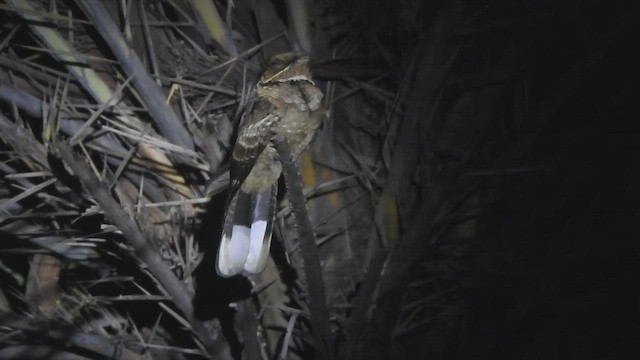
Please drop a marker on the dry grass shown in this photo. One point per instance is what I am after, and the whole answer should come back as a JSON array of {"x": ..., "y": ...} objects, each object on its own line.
[{"x": 116, "y": 119}]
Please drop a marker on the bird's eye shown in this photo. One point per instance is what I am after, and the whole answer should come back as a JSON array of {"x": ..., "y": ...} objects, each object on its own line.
[{"x": 279, "y": 66}]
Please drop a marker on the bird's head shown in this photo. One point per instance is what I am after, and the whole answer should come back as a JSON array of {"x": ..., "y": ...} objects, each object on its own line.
[{"x": 286, "y": 68}]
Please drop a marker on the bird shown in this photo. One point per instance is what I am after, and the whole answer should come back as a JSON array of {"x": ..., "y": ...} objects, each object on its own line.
[{"x": 285, "y": 103}]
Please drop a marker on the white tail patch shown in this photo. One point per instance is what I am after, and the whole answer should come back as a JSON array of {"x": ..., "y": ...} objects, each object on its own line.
[
  {"x": 233, "y": 251},
  {"x": 258, "y": 249},
  {"x": 245, "y": 251}
]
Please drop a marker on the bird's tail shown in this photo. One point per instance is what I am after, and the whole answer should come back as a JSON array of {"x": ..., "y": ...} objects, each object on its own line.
[{"x": 246, "y": 235}]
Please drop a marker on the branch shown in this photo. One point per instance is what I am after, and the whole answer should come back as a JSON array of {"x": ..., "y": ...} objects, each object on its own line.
[
  {"x": 209, "y": 335},
  {"x": 315, "y": 285},
  {"x": 168, "y": 123},
  {"x": 60, "y": 339},
  {"x": 23, "y": 142}
]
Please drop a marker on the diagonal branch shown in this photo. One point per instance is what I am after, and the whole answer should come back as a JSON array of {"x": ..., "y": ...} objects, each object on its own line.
[
  {"x": 315, "y": 284},
  {"x": 168, "y": 123},
  {"x": 210, "y": 336}
]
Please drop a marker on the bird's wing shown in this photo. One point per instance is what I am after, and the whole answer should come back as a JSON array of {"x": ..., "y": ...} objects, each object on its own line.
[{"x": 254, "y": 134}]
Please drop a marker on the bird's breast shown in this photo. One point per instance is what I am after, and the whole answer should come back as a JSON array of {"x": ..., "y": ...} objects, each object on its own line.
[{"x": 298, "y": 127}]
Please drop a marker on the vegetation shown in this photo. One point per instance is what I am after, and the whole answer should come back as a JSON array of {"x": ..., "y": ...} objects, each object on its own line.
[{"x": 441, "y": 193}]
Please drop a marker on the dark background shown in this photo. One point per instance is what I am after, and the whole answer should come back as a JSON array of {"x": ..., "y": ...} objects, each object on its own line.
[{"x": 493, "y": 207}]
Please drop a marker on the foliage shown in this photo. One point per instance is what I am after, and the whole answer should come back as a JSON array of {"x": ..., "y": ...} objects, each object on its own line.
[{"x": 116, "y": 119}]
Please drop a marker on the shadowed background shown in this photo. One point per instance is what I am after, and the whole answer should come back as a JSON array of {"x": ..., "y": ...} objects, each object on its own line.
[{"x": 472, "y": 193}]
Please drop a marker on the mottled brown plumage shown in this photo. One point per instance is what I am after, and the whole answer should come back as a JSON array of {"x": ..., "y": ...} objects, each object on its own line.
[{"x": 284, "y": 102}]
